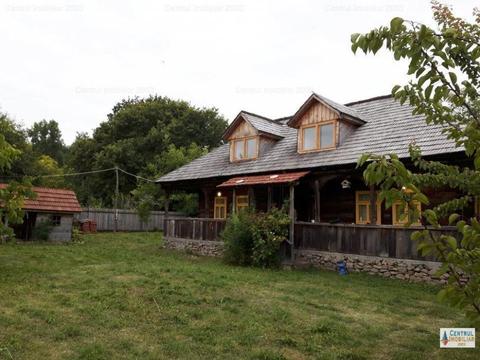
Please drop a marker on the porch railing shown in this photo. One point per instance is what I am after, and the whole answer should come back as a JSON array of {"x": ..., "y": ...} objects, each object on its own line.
[
  {"x": 372, "y": 240},
  {"x": 194, "y": 228}
]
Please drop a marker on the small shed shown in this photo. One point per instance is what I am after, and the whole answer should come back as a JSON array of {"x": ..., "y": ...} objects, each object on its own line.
[{"x": 56, "y": 206}]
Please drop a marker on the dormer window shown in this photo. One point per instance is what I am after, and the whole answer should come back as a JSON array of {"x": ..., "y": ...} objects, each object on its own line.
[
  {"x": 323, "y": 124},
  {"x": 250, "y": 136},
  {"x": 245, "y": 148},
  {"x": 317, "y": 137}
]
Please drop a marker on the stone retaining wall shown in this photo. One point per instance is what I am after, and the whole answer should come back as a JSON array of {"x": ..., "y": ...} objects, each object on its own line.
[
  {"x": 404, "y": 269},
  {"x": 199, "y": 247}
]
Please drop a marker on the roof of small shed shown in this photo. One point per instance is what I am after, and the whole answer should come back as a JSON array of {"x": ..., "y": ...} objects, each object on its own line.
[{"x": 51, "y": 200}]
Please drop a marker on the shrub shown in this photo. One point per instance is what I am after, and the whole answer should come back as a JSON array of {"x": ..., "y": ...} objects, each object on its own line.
[
  {"x": 270, "y": 230},
  {"x": 238, "y": 238},
  {"x": 76, "y": 235},
  {"x": 255, "y": 239}
]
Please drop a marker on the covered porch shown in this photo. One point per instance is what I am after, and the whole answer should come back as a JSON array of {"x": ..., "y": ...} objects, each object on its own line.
[{"x": 329, "y": 211}]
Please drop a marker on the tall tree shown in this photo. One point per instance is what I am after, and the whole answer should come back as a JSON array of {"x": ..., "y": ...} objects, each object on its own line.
[
  {"x": 13, "y": 195},
  {"x": 444, "y": 87},
  {"x": 16, "y": 136},
  {"x": 7, "y": 153},
  {"x": 137, "y": 133},
  {"x": 149, "y": 196},
  {"x": 46, "y": 139}
]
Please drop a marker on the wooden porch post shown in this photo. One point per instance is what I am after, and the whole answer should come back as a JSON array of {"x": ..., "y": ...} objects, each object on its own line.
[
  {"x": 165, "y": 218},
  {"x": 292, "y": 220},
  {"x": 373, "y": 205},
  {"x": 206, "y": 205},
  {"x": 234, "y": 201},
  {"x": 269, "y": 198},
  {"x": 251, "y": 197},
  {"x": 317, "y": 200}
]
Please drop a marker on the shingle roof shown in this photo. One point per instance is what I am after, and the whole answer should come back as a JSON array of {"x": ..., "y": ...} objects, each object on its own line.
[
  {"x": 264, "y": 125},
  {"x": 260, "y": 123},
  {"x": 52, "y": 200},
  {"x": 281, "y": 178},
  {"x": 390, "y": 127},
  {"x": 342, "y": 110}
]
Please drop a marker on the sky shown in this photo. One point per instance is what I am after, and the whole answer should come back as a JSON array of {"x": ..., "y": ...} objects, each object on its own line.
[{"x": 73, "y": 60}]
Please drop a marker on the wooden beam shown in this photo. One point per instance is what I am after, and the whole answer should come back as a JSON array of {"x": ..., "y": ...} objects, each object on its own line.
[
  {"x": 292, "y": 220},
  {"x": 373, "y": 205},
  {"x": 165, "y": 219},
  {"x": 317, "y": 200},
  {"x": 251, "y": 197},
  {"x": 206, "y": 205},
  {"x": 269, "y": 197}
]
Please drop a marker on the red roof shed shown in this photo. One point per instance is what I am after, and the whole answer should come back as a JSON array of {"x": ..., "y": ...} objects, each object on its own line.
[{"x": 52, "y": 200}]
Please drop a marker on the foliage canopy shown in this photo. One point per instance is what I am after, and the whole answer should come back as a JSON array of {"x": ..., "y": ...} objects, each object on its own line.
[{"x": 445, "y": 73}]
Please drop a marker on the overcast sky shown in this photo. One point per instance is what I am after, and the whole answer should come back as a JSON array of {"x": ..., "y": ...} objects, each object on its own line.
[{"x": 73, "y": 60}]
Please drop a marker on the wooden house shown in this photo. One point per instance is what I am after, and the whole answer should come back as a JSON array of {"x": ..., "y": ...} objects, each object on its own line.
[
  {"x": 55, "y": 206},
  {"x": 310, "y": 158}
]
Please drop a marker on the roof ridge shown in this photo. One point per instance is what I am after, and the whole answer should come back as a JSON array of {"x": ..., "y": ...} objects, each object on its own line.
[
  {"x": 54, "y": 189},
  {"x": 260, "y": 116},
  {"x": 341, "y": 109},
  {"x": 368, "y": 100},
  {"x": 43, "y": 187},
  {"x": 282, "y": 118}
]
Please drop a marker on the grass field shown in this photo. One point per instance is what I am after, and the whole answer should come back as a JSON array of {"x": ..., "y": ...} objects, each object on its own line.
[{"x": 123, "y": 297}]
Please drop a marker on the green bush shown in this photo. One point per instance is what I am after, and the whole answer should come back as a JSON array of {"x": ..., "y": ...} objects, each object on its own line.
[
  {"x": 255, "y": 239},
  {"x": 76, "y": 235},
  {"x": 42, "y": 230},
  {"x": 270, "y": 230},
  {"x": 238, "y": 238}
]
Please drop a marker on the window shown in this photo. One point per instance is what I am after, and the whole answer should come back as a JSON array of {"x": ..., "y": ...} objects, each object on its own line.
[
  {"x": 56, "y": 220},
  {"x": 326, "y": 136},
  {"x": 400, "y": 213},
  {"x": 309, "y": 138},
  {"x": 317, "y": 137},
  {"x": 239, "y": 149},
  {"x": 362, "y": 208},
  {"x": 251, "y": 148},
  {"x": 241, "y": 202},
  {"x": 244, "y": 148},
  {"x": 220, "y": 208}
]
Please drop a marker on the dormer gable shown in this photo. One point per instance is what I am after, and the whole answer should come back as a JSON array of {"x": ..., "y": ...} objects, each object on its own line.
[
  {"x": 323, "y": 124},
  {"x": 249, "y": 135}
]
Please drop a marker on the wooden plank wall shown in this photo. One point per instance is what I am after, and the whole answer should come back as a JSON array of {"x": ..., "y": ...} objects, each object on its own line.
[
  {"x": 385, "y": 241},
  {"x": 317, "y": 113},
  {"x": 195, "y": 228},
  {"x": 128, "y": 220},
  {"x": 243, "y": 129}
]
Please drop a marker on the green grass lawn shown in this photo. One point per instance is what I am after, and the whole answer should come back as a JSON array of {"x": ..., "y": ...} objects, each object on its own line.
[{"x": 122, "y": 296}]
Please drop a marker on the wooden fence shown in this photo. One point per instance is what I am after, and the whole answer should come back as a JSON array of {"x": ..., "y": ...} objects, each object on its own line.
[
  {"x": 194, "y": 228},
  {"x": 373, "y": 240},
  {"x": 128, "y": 220}
]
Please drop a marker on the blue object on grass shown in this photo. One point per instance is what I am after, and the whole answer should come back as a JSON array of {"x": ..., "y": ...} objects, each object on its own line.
[{"x": 342, "y": 268}]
